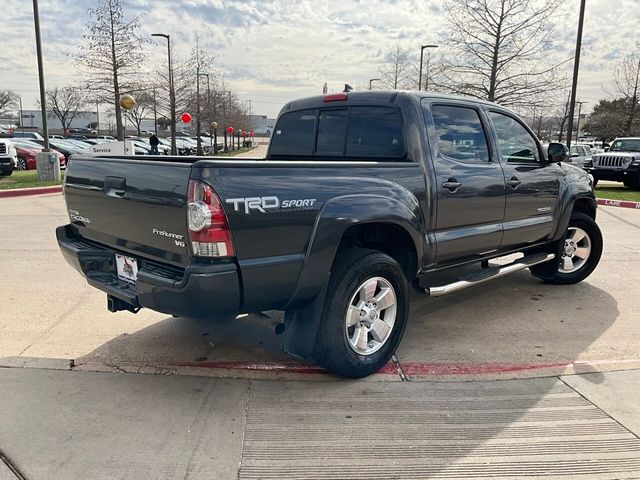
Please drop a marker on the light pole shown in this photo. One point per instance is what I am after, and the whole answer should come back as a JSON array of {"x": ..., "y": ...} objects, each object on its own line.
[
  {"x": 43, "y": 99},
  {"x": 428, "y": 58},
  {"x": 579, "y": 112},
  {"x": 21, "y": 116},
  {"x": 576, "y": 66},
  {"x": 371, "y": 80},
  {"x": 208, "y": 105},
  {"x": 172, "y": 93}
]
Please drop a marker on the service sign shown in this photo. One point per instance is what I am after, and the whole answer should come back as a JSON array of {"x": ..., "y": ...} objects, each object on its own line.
[{"x": 115, "y": 147}]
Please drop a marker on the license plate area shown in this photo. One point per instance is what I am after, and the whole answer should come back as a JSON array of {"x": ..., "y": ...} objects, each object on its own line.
[{"x": 127, "y": 268}]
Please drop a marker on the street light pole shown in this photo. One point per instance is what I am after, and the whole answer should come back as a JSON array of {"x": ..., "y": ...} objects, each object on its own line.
[
  {"x": 371, "y": 80},
  {"x": 43, "y": 99},
  {"x": 172, "y": 93},
  {"x": 576, "y": 66},
  {"x": 579, "y": 113},
  {"x": 208, "y": 105},
  {"x": 21, "y": 116},
  {"x": 421, "y": 57}
]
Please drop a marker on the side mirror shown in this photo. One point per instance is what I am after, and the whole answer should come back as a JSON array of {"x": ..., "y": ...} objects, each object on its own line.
[
  {"x": 557, "y": 152},
  {"x": 606, "y": 149}
]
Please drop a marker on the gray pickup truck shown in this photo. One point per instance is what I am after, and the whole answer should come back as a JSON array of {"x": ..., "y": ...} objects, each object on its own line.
[
  {"x": 360, "y": 197},
  {"x": 621, "y": 163}
]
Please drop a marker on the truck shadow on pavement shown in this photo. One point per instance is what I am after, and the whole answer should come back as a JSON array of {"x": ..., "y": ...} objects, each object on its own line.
[{"x": 516, "y": 322}]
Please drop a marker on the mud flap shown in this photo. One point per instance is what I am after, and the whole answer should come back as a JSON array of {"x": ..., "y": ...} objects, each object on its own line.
[{"x": 301, "y": 327}]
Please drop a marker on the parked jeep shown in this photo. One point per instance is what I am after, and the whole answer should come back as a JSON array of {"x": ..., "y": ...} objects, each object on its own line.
[{"x": 620, "y": 164}]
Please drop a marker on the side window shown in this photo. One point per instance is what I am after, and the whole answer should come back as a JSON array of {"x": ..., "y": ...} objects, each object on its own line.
[
  {"x": 375, "y": 132},
  {"x": 294, "y": 133},
  {"x": 515, "y": 142},
  {"x": 460, "y": 133},
  {"x": 331, "y": 131}
]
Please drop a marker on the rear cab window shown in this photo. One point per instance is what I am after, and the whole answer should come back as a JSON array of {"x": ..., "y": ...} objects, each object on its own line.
[{"x": 352, "y": 133}]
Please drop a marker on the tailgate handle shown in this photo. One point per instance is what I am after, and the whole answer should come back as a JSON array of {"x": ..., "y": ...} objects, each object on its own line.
[{"x": 115, "y": 186}]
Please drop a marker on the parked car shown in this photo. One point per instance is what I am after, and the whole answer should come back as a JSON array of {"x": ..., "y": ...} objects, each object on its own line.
[
  {"x": 106, "y": 137},
  {"x": 8, "y": 157},
  {"x": 360, "y": 196},
  {"x": 26, "y": 151},
  {"x": 581, "y": 155},
  {"x": 29, "y": 135},
  {"x": 621, "y": 163},
  {"x": 83, "y": 131}
]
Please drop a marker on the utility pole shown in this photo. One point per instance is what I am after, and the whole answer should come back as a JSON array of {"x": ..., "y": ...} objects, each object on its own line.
[
  {"x": 576, "y": 66},
  {"x": 97, "y": 117},
  {"x": 21, "y": 117},
  {"x": 155, "y": 112}
]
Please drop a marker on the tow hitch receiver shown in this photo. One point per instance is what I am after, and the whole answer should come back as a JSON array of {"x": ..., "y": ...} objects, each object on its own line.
[{"x": 116, "y": 305}]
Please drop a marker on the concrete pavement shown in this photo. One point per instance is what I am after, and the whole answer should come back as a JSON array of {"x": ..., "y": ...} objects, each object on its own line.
[
  {"x": 80, "y": 425},
  {"x": 508, "y": 328}
]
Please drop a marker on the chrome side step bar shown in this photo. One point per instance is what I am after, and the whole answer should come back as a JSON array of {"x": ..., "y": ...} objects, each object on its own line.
[{"x": 489, "y": 274}]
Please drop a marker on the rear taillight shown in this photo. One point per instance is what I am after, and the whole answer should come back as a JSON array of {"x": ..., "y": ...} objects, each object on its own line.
[{"x": 208, "y": 227}]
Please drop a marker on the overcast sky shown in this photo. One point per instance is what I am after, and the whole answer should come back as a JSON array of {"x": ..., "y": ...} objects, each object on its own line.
[{"x": 274, "y": 50}]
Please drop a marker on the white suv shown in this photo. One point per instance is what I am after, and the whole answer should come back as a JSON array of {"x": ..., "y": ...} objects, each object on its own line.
[{"x": 8, "y": 157}]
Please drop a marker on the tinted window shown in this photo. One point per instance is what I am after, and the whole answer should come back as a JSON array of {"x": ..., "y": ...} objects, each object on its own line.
[
  {"x": 460, "y": 133},
  {"x": 625, "y": 146},
  {"x": 375, "y": 132},
  {"x": 331, "y": 132},
  {"x": 516, "y": 144},
  {"x": 294, "y": 134}
]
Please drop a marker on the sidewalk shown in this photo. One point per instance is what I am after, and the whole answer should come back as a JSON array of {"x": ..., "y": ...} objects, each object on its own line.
[{"x": 79, "y": 425}]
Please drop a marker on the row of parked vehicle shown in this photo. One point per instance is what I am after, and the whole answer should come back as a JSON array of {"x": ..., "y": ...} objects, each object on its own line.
[{"x": 19, "y": 151}]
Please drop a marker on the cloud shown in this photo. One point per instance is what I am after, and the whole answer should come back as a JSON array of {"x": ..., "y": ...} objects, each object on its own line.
[{"x": 274, "y": 50}]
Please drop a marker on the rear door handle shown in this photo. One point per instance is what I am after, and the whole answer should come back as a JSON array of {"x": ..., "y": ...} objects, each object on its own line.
[
  {"x": 514, "y": 182},
  {"x": 452, "y": 184}
]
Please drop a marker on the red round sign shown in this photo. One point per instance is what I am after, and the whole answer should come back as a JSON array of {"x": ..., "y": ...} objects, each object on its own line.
[
  {"x": 229, "y": 129},
  {"x": 185, "y": 117},
  {"x": 251, "y": 134},
  {"x": 244, "y": 134}
]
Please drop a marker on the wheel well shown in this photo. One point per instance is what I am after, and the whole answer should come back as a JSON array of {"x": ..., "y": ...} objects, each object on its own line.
[
  {"x": 389, "y": 238},
  {"x": 585, "y": 206}
]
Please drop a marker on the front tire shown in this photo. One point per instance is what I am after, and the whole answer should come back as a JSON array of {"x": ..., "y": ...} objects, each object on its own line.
[
  {"x": 22, "y": 164},
  {"x": 364, "y": 314},
  {"x": 578, "y": 253}
]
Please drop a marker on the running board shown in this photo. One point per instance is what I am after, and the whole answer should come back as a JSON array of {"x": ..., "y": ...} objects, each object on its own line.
[{"x": 489, "y": 274}]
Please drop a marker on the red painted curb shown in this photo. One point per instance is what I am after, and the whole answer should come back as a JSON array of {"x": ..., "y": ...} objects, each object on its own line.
[
  {"x": 273, "y": 367},
  {"x": 618, "y": 203},
  {"x": 23, "y": 192},
  {"x": 437, "y": 369}
]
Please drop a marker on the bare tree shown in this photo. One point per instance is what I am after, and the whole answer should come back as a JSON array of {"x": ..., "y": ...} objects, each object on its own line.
[
  {"x": 112, "y": 53},
  {"x": 497, "y": 49},
  {"x": 396, "y": 74},
  {"x": 8, "y": 101},
  {"x": 627, "y": 84},
  {"x": 65, "y": 104}
]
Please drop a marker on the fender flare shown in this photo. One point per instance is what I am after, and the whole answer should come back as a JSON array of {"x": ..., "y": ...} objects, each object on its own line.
[{"x": 336, "y": 216}]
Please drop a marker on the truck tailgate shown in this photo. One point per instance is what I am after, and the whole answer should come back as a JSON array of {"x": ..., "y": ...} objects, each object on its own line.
[{"x": 135, "y": 206}]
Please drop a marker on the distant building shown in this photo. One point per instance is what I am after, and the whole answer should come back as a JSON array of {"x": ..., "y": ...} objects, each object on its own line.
[
  {"x": 261, "y": 124},
  {"x": 32, "y": 119}
]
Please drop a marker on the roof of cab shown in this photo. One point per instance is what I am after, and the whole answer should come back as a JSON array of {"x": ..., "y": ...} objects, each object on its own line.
[{"x": 376, "y": 97}]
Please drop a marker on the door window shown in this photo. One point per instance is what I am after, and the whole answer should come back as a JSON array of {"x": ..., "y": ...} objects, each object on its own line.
[
  {"x": 516, "y": 144},
  {"x": 460, "y": 133}
]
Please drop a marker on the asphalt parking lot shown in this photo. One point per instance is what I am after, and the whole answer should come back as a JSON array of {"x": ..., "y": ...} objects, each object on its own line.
[{"x": 481, "y": 386}]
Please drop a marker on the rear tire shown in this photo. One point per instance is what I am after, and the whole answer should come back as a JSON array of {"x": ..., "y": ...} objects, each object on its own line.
[
  {"x": 577, "y": 254},
  {"x": 22, "y": 164},
  {"x": 364, "y": 314}
]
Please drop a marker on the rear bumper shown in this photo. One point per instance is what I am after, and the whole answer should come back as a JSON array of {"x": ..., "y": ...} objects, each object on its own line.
[{"x": 210, "y": 291}]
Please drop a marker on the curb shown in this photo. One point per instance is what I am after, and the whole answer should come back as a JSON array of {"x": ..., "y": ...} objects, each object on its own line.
[
  {"x": 23, "y": 192},
  {"x": 618, "y": 203}
]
